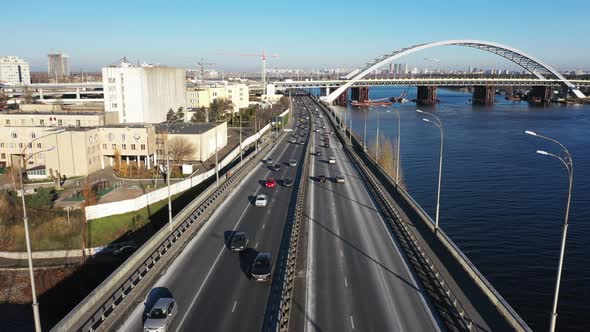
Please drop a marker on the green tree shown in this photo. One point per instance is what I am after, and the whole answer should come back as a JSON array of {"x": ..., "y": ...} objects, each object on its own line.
[
  {"x": 219, "y": 108},
  {"x": 170, "y": 116},
  {"x": 200, "y": 115}
]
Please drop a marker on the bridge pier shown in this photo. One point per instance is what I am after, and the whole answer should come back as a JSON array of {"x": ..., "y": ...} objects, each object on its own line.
[
  {"x": 426, "y": 95},
  {"x": 540, "y": 95},
  {"x": 360, "y": 94},
  {"x": 342, "y": 100},
  {"x": 483, "y": 95}
]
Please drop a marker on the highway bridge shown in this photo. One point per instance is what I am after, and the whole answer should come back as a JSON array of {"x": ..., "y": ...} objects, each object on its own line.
[{"x": 359, "y": 255}]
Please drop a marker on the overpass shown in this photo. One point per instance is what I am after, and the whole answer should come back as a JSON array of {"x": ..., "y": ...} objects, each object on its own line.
[
  {"x": 92, "y": 91},
  {"x": 355, "y": 255}
]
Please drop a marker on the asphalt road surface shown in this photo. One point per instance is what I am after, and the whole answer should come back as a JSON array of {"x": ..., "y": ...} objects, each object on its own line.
[
  {"x": 356, "y": 277},
  {"x": 209, "y": 282}
]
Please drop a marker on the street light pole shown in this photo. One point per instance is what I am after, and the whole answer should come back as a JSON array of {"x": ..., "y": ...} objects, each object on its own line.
[
  {"x": 568, "y": 162},
  {"x": 216, "y": 160},
  {"x": 399, "y": 134},
  {"x": 365, "y": 135},
  {"x": 21, "y": 165},
  {"x": 168, "y": 124},
  {"x": 377, "y": 143},
  {"x": 241, "y": 157},
  {"x": 439, "y": 124}
]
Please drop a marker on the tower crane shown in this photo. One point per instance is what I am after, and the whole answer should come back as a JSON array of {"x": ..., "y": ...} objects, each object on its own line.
[
  {"x": 202, "y": 65},
  {"x": 263, "y": 57}
]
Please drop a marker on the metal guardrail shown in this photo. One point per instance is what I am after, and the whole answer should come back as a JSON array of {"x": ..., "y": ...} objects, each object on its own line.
[
  {"x": 491, "y": 293},
  {"x": 101, "y": 303}
]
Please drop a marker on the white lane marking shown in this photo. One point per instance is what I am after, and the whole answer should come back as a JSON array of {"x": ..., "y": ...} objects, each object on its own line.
[
  {"x": 256, "y": 245},
  {"x": 222, "y": 248},
  {"x": 234, "y": 308},
  {"x": 263, "y": 225},
  {"x": 341, "y": 253},
  {"x": 351, "y": 322},
  {"x": 345, "y": 282}
]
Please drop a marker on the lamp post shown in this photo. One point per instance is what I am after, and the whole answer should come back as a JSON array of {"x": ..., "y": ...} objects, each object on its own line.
[
  {"x": 21, "y": 165},
  {"x": 241, "y": 153},
  {"x": 216, "y": 158},
  {"x": 568, "y": 162},
  {"x": 365, "y": 135},
  {"x": 168, "y": 124},
  {"x": 399, "y": 131},
  {"x": 439, "y": 124}
]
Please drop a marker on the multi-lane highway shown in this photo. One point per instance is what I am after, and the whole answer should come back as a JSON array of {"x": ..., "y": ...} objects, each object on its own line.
[
  {"x": 210, "y": 283},
  {"x": 355, "y": 275}
]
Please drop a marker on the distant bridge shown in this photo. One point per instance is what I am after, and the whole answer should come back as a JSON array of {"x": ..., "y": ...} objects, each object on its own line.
[
  {"x": 524, "y": 60},
  {"x": 439, "y": 82}
]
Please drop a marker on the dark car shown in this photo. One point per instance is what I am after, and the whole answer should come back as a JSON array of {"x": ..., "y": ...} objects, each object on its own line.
[
  {"x": 261, "y": 267},
  {"x": 321, "y": 178},
  {"x": 276, "y": 167},
  {"x": 238, "y": 241},
  {"x": 318, "y": 153},
  {"x": 288, "y": 182}
]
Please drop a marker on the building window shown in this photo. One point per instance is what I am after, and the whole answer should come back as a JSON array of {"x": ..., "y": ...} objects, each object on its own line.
[
  {"x": 89, "y": 161},
  {"x": 60, "y": 122},
  {"x": 3, "y": 155},
  {"x": 8, "y": 122},
  {"x": 132, "y": 146},
  {"x": 104, "y": 146},
  {"x": 33, "y": 135},
  {"x": 114, "y": 146},
  {"x": 124, "y": 146},
  {"x": 39, "y": 145},
  {"x": 114, "y": 105},
  {"x": 30, "y": 145},
  {"x": 13, "y": 135},
  {"x": 123, "y": 137},
  {"x": 20, "y": 145},
  {"x": 111, "y": 80},
  {"x": 77, "y": 123},
  {"x": 42, "y": 122},
  {"x": 143, "y": 146},
  {"x": 1, "y": 145}
]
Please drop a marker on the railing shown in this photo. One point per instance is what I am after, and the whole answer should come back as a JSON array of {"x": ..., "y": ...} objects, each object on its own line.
[
  {"x": 99, "y": 309},
  {"x": 510, "y": 315}
]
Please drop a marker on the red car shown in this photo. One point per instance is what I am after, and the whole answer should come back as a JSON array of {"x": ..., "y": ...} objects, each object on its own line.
[{"x": 271, "y": 183}]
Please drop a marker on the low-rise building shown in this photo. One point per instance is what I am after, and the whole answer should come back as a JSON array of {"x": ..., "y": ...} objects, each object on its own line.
[
  {"x": 203, "y": 95},
  {"x": 79, "y": 151},
  {"x": 201, "y": 135}
]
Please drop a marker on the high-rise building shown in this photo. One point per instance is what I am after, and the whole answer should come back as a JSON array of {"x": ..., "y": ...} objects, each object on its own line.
[
  {"x": 14, "y": 71},
  {"x": 58, "y": 65},
  {"x": 143, "y": 93}
]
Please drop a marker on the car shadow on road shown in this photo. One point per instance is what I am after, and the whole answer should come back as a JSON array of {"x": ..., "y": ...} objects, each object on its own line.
[
  {"x": 364, "y": 254},
  {"x": 153, "y": 296},
  {"x": 247, "y": 257}
]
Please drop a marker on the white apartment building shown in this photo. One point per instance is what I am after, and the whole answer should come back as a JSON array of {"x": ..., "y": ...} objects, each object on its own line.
[
  {"x": 143, "y": 94},
  {"x": 203, "y": 96},
  {"x": 14, "y": 71},
  {"x": 58, "y": 65}
]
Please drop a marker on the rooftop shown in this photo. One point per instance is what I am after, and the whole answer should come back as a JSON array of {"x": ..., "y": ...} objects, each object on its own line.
[{"x": 186, "y": 127}]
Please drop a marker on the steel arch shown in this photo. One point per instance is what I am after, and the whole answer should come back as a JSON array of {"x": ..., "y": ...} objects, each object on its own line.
[{"x": 528, "y": 62}]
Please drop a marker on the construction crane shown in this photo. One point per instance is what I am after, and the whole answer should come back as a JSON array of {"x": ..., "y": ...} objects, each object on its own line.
[
  {"x": 263, "y": 57},
  {"x": 201, "y": 64}
]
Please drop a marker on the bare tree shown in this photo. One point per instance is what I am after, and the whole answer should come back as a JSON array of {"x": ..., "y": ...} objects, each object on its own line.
[
  {"x": 3, "y": 100},
  {"x": 180, "y": 148},
  {"x": 387, "y": 158}
]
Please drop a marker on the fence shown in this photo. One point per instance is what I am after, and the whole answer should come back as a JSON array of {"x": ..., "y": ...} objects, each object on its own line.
[{"x": 134, "y": 204}]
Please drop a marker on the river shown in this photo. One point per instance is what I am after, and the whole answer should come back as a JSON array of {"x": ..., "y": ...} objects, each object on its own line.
[{"x": 502, "y": 203}]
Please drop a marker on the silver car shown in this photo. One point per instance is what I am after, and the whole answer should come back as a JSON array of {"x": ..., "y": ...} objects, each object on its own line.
[
  {"x": 261, "y": 200},
  {"x": 160, "y": 316},
  {"x": 293, "y": 163}
]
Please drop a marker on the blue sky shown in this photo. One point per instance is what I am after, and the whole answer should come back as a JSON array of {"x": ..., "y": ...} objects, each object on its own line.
[{"x": 305, "y": 34}]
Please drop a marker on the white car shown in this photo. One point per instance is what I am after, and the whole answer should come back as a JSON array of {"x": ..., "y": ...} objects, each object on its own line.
[
  {"x": 332, "y": 160},
  {"x": 269, "y": 160},
  {"x": 160, "y": 315},
  {"x": 260, "y": 200}
]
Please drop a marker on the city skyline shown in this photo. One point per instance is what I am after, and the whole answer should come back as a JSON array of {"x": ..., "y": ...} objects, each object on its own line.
[{"x": 109, "y": 31}]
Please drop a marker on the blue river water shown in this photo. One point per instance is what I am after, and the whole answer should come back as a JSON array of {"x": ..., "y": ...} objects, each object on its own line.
[{"x": 502, "y": 203}]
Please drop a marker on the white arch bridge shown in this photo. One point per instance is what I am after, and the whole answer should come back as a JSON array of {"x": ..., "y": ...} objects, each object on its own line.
[{"x": 542, "y": 71}]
